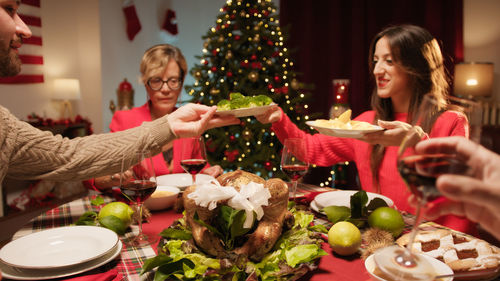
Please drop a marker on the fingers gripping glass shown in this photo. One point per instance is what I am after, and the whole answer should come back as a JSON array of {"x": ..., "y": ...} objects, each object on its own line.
[{"x": 157, "y": 83}]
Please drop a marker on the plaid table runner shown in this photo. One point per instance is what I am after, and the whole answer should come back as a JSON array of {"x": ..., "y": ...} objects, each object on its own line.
[{"x": 130, "y": 260}]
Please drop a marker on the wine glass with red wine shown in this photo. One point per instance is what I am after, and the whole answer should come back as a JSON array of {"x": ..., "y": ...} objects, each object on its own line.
[
  {"x": 293, "y": 161},
  {"x": 420, "y": 171},
  {"x": 137, "y": 183},
  {"x": 193, "y": 157}
]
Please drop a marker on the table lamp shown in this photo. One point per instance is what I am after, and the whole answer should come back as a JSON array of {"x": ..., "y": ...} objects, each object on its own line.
[
  {"x": 473, "y": 80},
  {"x": 66, "y": 90}
]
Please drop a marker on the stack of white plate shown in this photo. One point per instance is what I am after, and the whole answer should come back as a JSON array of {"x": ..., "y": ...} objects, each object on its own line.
[
  {"x": 58, "y": 252},
  {"x": 341, "y": 198}
]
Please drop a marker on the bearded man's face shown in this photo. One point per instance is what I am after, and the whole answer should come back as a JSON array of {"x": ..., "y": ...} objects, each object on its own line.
[{"x": 10, "y": 64}]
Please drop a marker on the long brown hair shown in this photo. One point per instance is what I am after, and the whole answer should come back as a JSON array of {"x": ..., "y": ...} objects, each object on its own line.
[{"x": 418, "y": 53}]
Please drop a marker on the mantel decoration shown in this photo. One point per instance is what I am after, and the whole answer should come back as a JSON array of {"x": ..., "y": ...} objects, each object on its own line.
[
  {"x": 38, "y": 121},
  {"x": 125, "y": 97}
]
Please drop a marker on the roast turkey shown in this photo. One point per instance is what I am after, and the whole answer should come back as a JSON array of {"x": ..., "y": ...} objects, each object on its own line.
[{"x": 269, "y": 228}]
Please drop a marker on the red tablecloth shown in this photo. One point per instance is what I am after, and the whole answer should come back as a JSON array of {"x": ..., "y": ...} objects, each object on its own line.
[{"x": 331, "y": 267}]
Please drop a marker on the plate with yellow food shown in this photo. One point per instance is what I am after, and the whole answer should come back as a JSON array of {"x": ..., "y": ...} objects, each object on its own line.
[{"x": 343, "y": 126}]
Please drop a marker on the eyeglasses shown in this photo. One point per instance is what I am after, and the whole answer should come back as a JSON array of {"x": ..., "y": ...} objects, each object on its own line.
[{"x": 156, "y": 83}]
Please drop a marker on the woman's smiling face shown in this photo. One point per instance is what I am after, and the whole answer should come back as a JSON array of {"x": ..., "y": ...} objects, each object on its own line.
[{"x": 392, "y": 81}]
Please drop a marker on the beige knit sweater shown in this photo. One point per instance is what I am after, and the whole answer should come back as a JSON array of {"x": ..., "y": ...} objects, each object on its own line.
[{"x": 29, "y": 153}]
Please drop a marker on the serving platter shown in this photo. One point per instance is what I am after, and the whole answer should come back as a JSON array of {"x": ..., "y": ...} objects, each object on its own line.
[
  {"x": 343, "y": 133},
  {"x": 59, "y": 247},
  {"x": 244, "y": 112},
  {"x": 42, "y": 274}
]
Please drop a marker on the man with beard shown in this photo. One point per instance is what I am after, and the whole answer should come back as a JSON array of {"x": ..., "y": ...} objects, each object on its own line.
[{"x": 29, "y": 153}]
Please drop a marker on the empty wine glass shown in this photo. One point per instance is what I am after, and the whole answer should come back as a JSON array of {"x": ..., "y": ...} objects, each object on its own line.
[
  {"x": 193, "y": 156},
  {"x": 293, "y": 161},
  {"x": 137, "y": 183},
  {"x": 420, "y": 173}
]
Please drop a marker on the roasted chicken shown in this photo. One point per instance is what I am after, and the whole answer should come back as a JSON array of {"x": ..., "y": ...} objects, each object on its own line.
[{"x": 260, "y": 241}]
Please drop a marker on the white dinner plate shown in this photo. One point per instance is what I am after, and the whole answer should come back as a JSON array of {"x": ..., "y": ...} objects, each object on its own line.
[
  {"x": 244, "y": 112},
  {"x": 343, "y": 133},
  {"x": 42, "y": 274},
  {"x": 440, "y": 267},
  {"x": 182, "y": 180},
  {"x": 59, "y": 247},
  {"x": 342, "y": 198}
]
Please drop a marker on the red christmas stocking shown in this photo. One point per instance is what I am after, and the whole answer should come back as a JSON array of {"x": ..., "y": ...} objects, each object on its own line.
[
  {"x": 169, "y": 24},
  {"x": 131, "y": 19}
]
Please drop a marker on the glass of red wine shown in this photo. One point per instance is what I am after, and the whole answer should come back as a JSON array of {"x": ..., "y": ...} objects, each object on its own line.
[
  {"x": 420, "y": 171},
  {"x": 193, "y": 156},
  {"x": 294, "y": 162},
  {"x": 137, "y": 183}
]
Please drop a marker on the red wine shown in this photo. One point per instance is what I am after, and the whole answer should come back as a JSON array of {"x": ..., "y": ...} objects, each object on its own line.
[
  {"x": 294, "y": 172},
  {"x": 420, "y": 172},
  {"x": 138, "y": 190},
  {"x": 193, "y": 166}
]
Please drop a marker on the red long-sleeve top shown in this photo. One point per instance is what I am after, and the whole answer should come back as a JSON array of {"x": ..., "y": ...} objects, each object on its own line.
[{"x": 325, "y": 150}]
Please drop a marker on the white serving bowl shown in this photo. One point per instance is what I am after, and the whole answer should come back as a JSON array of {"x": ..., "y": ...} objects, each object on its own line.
[
  {"x": 163, "y": 198},
  {"x": 440, "y": 267}
]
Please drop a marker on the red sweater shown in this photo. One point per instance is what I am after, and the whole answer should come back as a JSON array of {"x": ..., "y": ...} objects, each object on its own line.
[
  {"x": 325, "y": 150},
  {"x": 126, "y": 119}
]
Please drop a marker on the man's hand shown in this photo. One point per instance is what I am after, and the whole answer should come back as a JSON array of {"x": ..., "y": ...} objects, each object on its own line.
[{"x": 193, "y": 119}]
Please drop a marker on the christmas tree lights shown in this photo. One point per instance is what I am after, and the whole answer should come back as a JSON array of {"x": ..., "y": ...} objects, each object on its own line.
[{"x": 244, "y": 52}]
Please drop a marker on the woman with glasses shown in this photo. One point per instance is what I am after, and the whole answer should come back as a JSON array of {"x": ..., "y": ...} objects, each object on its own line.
[{"x": 163, "y": 69}]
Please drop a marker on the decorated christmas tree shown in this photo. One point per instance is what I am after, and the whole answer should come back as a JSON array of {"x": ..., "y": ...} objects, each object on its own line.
[{"x": 245, "y": 53}]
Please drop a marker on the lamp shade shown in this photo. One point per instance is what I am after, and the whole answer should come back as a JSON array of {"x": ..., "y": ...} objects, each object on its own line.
[
  {"x": 473, "y": 79},
  {"x": 66, "y": 89}
]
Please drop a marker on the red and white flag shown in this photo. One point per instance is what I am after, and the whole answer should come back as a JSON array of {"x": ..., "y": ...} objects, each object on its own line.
[{"x": 30, "y": 52}]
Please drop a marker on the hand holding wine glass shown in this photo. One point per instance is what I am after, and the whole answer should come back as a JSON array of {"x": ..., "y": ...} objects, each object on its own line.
[
  {"x": 137, "y": 183},
  {"x": 293, "y": 161},
  {"x": 419, "y": 171},
  {"x": 194, "y": 157}
]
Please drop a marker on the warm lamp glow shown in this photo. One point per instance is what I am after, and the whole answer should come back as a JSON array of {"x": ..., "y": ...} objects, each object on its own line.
[
  {"x": 66, "y": 90},
  {"x": 473, "y": 79}
]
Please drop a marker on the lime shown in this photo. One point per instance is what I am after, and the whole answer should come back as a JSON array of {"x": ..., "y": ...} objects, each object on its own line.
[
  {"x": 118, "y": 209},
  {"x": 387, "y": 219},
  {"x": 344, "y": 238}
]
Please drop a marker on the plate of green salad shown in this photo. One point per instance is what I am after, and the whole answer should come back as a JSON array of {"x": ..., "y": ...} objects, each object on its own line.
[{"x": 239, "y": 105}]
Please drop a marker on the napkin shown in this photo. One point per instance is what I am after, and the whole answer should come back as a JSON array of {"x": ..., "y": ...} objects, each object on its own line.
[
  {"x": 309, "y": 197},
  {"x": 111, "y": 275}
]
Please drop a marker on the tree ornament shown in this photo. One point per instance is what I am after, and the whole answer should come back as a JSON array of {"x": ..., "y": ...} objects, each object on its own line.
[
  {"x": 229, "y": 74},
  {"x": 269, "y": 62},
  {"x": 276, "y": 78},
  {"x": 214, "y": 91},
  {"x": 214, "y": 52},
  {"x": 253, "y": 76},
  {"x": 232, "y": 138},
  {"x": 214, "y": 69},
  {"x": 268, "y": 166},
  {"x": 284, "y": 90},
  {"x": 231, "y": 155},
  {"x": 256, "y": 37},
  {"x": 236, "y": 37},
  {"x": 253, "y": 57},
  {"x": 197, "y": 75},
  {"x": 221, "y": 39},
  {"x": 294, "y": 84},
  {"x": 270, "y": 43},
  {"x": 229, "y": 54}
]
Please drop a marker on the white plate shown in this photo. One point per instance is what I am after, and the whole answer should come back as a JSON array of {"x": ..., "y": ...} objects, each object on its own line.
[
  {"x": 59, "y": 247},
  {"x": 182, "y": 181},
  {"x": 249, "y": 111},
  {"x": 41, "y": 274},
  {"x": 440, "y": 267},
  {"x": 342, "y": 198},
  {"x": 343, "y": 133}
]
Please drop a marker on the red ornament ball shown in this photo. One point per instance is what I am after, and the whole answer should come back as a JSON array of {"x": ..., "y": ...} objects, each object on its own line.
[
  {"x": 214, "y": 52},
  {"x": 236, "y": 37},
  {"x": 268, "y": 165},
  {"x": 276, "y": 78},
  {"x": 229, "y": 74},
  {"x": 214, "y": 69},
  {"x": 232, "y": 138},
  {"x": 253, "y": 57}
]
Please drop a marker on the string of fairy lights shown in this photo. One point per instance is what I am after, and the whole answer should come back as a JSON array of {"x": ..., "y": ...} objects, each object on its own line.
[{"x": 245, "y": 50}]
